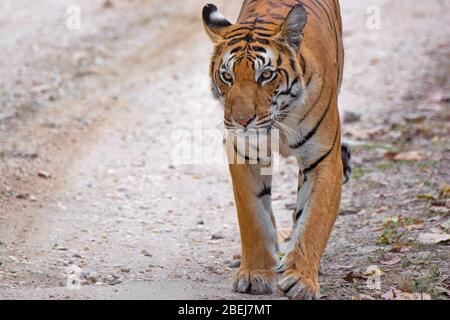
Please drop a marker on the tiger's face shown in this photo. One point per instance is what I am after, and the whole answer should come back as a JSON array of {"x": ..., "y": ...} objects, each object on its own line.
[{"x": 254, "y": 70}]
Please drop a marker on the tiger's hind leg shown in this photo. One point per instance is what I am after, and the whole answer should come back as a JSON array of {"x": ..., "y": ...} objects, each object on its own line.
[
  {"x": 318, "y": 206},
  {"x": 258, "y": 231}
]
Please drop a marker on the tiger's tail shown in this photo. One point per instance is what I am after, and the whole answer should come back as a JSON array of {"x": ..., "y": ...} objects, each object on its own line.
[{"x": 347, "y": 162}]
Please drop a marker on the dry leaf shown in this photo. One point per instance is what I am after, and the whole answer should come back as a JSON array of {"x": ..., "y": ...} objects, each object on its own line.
[
  {"x": 390, "y": 155},
  {"x": 395, "y": 294},
  {"x": 445, "y": 191},
  {"x": 352, "y": 277},
  {"x": 433, "y": 238},
  {"x": 412, "y": 227},
  {"x": 440, "y": 210},
  {"x": 415, "y": 118},
  {"x": 446, "y": 225},
  {"x": 401, "y": 248},
  {"x": 342, "y": 267},
  {"x": 284, "y": 235},
  {"x": 410, "y": 156},
  {"x": 361, "y": 134},
  {"x": 393, "y": 261},
  {"x": 405, "y": 285}
]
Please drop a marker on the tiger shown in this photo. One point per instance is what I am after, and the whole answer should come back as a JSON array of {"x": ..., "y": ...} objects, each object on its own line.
[{"x": 280, "y": 66}]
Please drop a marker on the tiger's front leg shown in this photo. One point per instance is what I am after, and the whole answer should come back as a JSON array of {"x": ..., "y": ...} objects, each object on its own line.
[
  {"x": 252, "y": 193},
  {"x": 317, "y": 208}
]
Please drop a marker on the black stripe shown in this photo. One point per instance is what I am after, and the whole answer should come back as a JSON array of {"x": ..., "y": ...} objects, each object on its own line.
[
  {"x": 305, "y": 180},
  {"x": 315, "y": 164},
  {"x": 327, "y": 14},
  {"x": 263, "y": 41},
  {"x": 289, "y": 90},
  {"x": 248, "y": 29},
  {"x": 235, "y": 41},
  {"x": 236, "y": 50},
  {"x": 262, "y": 59},
  {"x": 286, "y": 74},
  {"x": 307, "y": 6},
  {"x": 308, "y": 81},
  {"x": 244, "y": 156},
  {"x": 264, "y": 35},
  {"x": 261, "y": 28},
  {"x": 293, "y": 64},
  {"x": 298, "y": 214},
  {"x": 279, "y": 61},
  {"x": 314, "y": 130},
  {"x": 249, "y": 38},
  {"x": 241, "y": 34},
  {"x": 258, "y": 49},
  {"x": 257, "y": 20},
  {"x": 265, "y": 122},
  {"x": 267, "y": 191}
]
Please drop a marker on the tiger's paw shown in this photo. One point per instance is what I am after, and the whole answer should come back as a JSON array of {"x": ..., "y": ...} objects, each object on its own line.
[
  {"x": 298, "y": 287},
  {"x": 257, "y": 282},
  {"x": 298, "y": 284}
]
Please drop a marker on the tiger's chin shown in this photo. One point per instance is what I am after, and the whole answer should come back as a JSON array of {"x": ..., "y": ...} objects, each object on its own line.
[{"x": 251, "y": 145}]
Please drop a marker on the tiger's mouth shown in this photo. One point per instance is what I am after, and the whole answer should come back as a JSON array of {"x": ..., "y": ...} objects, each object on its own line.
[{"x": 259, "y": 125}]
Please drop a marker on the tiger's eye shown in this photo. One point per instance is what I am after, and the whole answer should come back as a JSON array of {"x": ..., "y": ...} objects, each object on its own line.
[
  {"x": 267, "y": 74},
  {"x": 227, "y": 76}
]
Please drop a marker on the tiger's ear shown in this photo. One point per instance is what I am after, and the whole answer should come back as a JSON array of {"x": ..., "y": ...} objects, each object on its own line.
[
  {"x": 216, "y": 24},
  {"x": 291, "y": 30}
]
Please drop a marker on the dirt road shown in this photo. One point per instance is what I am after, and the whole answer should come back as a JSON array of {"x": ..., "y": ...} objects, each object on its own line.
[{"x": 89, "y": 188}]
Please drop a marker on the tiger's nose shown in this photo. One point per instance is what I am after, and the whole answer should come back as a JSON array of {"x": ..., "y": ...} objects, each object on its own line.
[{"x": 245, "y": 120}]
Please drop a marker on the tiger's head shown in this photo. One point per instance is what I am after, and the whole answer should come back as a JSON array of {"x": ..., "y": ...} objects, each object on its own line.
[{"x": 255, "y": 70}]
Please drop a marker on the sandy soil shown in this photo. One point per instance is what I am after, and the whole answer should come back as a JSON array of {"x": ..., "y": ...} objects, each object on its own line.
[{"x": 88, "y": 184}]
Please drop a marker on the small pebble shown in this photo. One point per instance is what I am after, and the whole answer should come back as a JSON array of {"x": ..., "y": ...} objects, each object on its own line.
[
  {"x": 351, "y": 117},
  {"x": 235, "y": 264},
  {"x": 146, "y": 253},
  {"x": 217, "y": 237},
  {"x": 44, "y": 175},
  {"x": 115, "y": 282}
]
